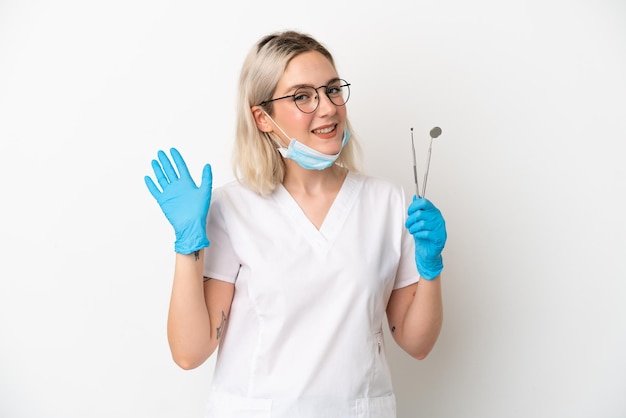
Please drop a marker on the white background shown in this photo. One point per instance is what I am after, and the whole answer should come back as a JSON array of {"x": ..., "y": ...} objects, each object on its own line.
[{"x": 529, "y": 173}]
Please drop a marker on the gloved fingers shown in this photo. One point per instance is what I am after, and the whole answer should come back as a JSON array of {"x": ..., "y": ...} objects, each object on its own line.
[
  {"x": 428, "y": 226},
  {"x": 427, "y": 235},
  {"x": 420, "y": 204},
  {"x": 159, "y": 174},
  {"x": 414, "y": 224},
  {"x": 167, "y": 167},
  {"x": 207, "y": 177},
  {"x": 154, "y": 190},
  {"x": 183, "y": 171},
  {"x": 428, "y": 217}
]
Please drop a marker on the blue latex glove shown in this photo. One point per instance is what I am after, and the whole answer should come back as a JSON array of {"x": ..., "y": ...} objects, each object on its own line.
[
  {"x": 185, "y": 205},
  {"x": 428, "y": 228}
]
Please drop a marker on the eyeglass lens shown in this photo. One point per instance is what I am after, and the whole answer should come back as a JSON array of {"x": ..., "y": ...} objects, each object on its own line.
[{"x": 307, "y": 99}]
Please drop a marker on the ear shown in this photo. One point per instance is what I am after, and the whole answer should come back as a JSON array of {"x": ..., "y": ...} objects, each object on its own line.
[{"x": 260, "y": 118}]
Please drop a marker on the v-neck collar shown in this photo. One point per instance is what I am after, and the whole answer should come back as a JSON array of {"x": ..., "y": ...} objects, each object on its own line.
[{"x": 337, "y": 214}]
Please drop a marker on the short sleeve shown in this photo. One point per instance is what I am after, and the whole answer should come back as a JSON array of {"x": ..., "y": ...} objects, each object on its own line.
[
  {"x": 220, "y": 260},
  {"x": 407, "y": 273}
]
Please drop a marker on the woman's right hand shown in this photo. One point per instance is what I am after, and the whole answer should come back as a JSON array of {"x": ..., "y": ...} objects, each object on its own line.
[{"x": 185, "y": 205}]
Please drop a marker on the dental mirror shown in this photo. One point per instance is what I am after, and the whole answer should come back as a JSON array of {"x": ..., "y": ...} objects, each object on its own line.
[{"x": 434, "y": 133}]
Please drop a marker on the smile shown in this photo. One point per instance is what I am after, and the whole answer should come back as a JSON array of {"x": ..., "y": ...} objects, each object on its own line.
[{"x": 325, "y": 130}]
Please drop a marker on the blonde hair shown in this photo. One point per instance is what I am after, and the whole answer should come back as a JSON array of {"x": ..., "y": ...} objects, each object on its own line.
[{"x": 257, "y": 163}]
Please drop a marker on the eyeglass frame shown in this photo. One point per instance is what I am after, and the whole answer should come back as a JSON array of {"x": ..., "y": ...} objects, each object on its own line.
[{"x": 341, "y": 80}]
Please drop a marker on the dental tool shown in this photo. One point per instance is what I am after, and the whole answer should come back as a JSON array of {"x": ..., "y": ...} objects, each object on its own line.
[
  {"x": 434, "y": 133},
  {"x": 417, "y": 189}
]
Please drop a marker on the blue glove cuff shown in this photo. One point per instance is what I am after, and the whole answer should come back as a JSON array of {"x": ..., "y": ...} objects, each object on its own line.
[
  {"x": 191, "y": 246},
  {"x": 429, "y": 269},
  {"x": 192, "y": 240}
]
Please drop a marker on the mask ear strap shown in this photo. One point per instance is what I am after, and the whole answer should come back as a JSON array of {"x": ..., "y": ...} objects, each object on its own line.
[
  {"x": 272, "y": 140},
  {"x": 278, "y": 126}
]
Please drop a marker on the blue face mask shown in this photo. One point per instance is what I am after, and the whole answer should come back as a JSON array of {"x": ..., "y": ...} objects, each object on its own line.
[
  {"x": 306, "y": 156},
  {"x": 309, "y": 158}
]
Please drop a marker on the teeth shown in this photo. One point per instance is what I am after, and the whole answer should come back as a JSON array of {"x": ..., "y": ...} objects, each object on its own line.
[{"x": 325, "y": 130}]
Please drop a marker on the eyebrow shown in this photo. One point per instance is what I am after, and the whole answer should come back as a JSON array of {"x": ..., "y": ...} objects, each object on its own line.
[{"x": 297, "y": 86}]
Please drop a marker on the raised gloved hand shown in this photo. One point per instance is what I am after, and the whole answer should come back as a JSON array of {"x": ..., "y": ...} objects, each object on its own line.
[
  {"x": 428, "y": 228},
  {"x": 185, "y": 205}
]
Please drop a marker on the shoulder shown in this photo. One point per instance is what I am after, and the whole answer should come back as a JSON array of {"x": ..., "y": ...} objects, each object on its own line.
[
  {"x": 231, "y": 187},
  {"x": 380, "y": 193},
  {"x": 381, "y": 186},
  {"x": 235, "y": 192}
]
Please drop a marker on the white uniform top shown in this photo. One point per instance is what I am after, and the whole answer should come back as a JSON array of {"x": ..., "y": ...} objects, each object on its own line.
[{"x": 304, "y": 336}]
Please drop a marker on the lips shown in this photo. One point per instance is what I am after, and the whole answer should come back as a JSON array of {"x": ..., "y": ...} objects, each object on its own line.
[{"x": 325, "y": 130}]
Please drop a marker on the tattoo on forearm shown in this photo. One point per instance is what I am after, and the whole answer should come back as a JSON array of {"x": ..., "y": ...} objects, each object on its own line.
[
  {"x": 220, "y": 329},
  {"x": 196, "y": 254}
]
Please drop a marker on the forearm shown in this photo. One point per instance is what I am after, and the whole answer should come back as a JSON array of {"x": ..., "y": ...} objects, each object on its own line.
[
  {"x": 421, "y": 325},
  {"x": 188, "y": 326}
]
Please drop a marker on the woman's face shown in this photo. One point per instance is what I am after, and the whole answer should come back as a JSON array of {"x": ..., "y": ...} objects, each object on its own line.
[{"x": 321, "y": 130}]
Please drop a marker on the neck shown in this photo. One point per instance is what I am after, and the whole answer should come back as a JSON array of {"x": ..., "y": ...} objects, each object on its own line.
[{"x": 298, "y": 179}]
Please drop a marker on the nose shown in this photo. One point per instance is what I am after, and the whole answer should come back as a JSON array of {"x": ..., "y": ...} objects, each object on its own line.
[{"x": 325, "y": 106}]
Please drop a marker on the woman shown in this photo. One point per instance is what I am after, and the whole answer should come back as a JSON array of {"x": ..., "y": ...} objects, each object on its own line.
[{"x": 306, "y": 255}]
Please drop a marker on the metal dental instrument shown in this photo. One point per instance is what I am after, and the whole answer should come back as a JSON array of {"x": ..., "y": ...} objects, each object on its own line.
[
  {"x": 434, "y": 133},
  {"x": 417, "y": 189}
]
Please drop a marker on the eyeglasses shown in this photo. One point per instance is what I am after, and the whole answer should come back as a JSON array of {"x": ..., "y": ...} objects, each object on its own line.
[{"x": 307, "y": 99}]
